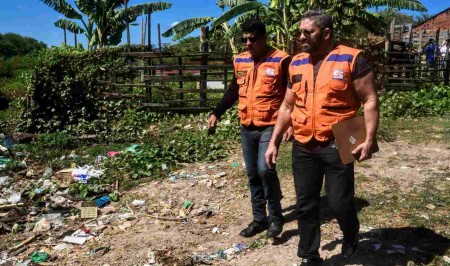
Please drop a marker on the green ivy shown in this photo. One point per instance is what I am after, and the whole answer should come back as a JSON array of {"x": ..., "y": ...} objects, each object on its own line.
[{"x": 430, "y": 100}]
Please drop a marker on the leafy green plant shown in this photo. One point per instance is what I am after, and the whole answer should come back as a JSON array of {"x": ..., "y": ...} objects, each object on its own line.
[
  {"x": 430, "y": 100},
  {"x": 59, "y": 140}
]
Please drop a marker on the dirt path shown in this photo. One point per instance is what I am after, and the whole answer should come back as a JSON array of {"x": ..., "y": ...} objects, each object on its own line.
[{"x": 223, "y": 202}]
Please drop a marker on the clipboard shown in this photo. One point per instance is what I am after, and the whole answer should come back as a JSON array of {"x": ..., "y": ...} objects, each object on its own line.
[{"x": 348, "y": 135}]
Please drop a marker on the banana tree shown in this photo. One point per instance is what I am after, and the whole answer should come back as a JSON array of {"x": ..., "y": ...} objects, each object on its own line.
[
  {"x": 71, "y": 26},
  {"x": 348, "y": 13},
  {"x": 219, "y": 25},
  {"x": 106, "y": 19}
]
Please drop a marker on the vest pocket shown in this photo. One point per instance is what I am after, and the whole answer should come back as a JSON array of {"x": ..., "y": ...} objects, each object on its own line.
[
  {"x": 242, "y": 110},
  {"x": 267, "y": 86},
  {"x": 298, "y": 117},
  {"x": 243, "y": 85},
  {"x": 338, "y": 96},
  {"x": 300, "y": 90},
  {"x": 265, "y": 112}
]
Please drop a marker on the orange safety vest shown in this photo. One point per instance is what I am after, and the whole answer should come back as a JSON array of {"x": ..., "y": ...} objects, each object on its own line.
[
  {"x": 261, "y": 90},
  {"x": 328, "y": 100}
]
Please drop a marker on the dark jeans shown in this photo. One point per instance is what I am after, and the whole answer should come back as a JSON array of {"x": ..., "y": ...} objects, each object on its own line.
[
  {"x": 310, "y": 162},
  {"x": 263, "y": 182}
]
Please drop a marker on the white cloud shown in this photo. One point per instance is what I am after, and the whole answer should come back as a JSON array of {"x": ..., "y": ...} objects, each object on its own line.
[{"x": 174, "y": 23}]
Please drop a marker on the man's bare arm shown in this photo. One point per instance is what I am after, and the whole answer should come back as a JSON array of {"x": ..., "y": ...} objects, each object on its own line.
[
  {"x": 366, "y": 90},
  {"x": 281, "y": 125}
]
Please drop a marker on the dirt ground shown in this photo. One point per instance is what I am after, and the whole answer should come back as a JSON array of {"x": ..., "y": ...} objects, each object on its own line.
[{"x": 221, "y": 208}]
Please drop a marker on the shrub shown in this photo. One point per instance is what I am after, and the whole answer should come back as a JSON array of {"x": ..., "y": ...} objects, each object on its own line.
[{"x": 430, "y": 100}]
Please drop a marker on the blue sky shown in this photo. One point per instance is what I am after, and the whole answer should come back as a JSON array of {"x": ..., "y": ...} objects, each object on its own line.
[{"x": 34, "y": 19}]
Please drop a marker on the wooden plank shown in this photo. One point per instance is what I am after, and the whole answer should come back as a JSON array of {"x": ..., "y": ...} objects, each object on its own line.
[
  {"x": 155, "y": 104},
  {"x": 191, "y": 100},
  {"x": 408, "y": 79},
  {"x": 176, "y": 78},
  {"x": 186, "y": 109},
  {"x": 183, "y": 90},
  {"x": 181, "y": 67},
  {"x": 410, "y": 71},
  {"x": 122, "y": 96}
]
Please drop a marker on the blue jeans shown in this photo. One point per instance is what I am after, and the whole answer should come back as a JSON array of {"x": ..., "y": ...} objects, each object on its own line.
[{"x": 263, "y": 182}]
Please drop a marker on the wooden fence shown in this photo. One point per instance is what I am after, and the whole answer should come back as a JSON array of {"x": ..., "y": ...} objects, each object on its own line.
[
  {"x": 409, "y": 71},
  {"x": 174, "y": 82},
  {"x": 196, "y": 82}
]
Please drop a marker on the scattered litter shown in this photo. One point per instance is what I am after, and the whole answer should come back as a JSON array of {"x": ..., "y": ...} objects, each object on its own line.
[
  {"x": 88, "y": 211},
  {"x": 138, "y": 202},
  {"x": 446, "y": 259},
  {"x": 38, "y": 256},
  {"x": 55, "y": 219},
  {"x": 79, "y": 237},
  {"x": 237, "y": 247},
  {"x": 133, "y": 149},
  {"x": 431, "y": 206},
  {"x": 48, "y": 172},
  {"x": 164, "y": 167},
  {"x": 404, "y": 167},
  {"x": 396, "y": 249},
  {"x": 216, "y": 230},
  {"x": 151, "y": 257},
  {"x": 42, "y": 226},
  {"x": 4, "y": 162},
  {"x": 60, "y": 247},
  {"x": 235, "y": 164},
  {"x": 221, "y": 174},
  {"x": 125, "y": 225},
  {"x": 5, "y": 181},
  {"x": 112, "y": 154},
  {"x": 376, "y": 246},
  {"x": 187, "y": 204},
  {"x": 103, "y": 250},
  {"x": 14, "y": 198},
  {"x": 416, "y": 249},
  {"x": 100, "y": 158},
  {"x": 83, "y": 174},
  {"x": 102, "y": 201}
]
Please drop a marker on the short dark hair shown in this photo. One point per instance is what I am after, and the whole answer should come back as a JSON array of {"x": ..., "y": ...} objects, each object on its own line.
[
  {"x": 431, "y": 40},
  {"x": 321, "y": 18},
  {"x": 255, "y": 26}
]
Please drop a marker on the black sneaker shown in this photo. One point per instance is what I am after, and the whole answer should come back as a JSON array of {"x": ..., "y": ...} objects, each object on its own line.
[
  {"x": 310, "y": 262},
  {"x": 349, "y": 249},
  {"x": 254, "y": 228},
  {"x": 275, "y": 226}
]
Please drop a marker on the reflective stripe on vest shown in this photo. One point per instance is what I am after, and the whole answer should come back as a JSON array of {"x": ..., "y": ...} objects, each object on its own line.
[
  {"x": 260, "y": 87},
  {"x": 326, "y": 101}
]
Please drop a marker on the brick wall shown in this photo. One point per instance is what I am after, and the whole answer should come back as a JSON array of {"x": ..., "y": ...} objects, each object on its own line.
[{"x": 441, "y": 21}]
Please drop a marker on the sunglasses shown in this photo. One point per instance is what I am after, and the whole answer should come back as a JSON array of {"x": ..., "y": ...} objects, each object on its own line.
[{"x": 251, "y": 39}]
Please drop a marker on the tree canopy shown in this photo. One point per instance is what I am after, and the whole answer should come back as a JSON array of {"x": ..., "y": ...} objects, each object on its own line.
[{"x": 12, "y": 44}]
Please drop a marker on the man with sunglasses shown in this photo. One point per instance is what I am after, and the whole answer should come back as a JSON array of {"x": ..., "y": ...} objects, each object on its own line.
[
  {"x": 328, "y": 85},
  {"x": 259, "y": 83}
]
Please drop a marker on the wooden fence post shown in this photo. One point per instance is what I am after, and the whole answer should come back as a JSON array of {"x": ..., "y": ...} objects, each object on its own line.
[
  {"x": 126, "y": 22},
  {"x": 204, "y": 48},
  {"x": 149, "y": 28},
  {"x": 447, "y": 71},
  {"x": 225, "y": 71},
  {"x": 180, "y": 72}
]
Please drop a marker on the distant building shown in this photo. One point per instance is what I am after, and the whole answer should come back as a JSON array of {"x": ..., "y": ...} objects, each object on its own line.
[{"x": 429, "y": 27}]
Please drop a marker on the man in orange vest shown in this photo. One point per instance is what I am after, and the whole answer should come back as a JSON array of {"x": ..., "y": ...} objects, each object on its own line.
[
  {"x": 328, "y": 85},
  {"x": 259, "y": 83}
]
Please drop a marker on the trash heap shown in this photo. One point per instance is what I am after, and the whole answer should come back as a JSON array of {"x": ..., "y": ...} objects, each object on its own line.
[{"x": 40, "y": 219}]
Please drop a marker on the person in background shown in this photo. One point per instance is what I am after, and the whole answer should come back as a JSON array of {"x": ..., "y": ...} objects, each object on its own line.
[
  {"x": 259, "y": 84},
  {"x": 444, "y": 50},
  {"x": 429, "y": 51}
]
